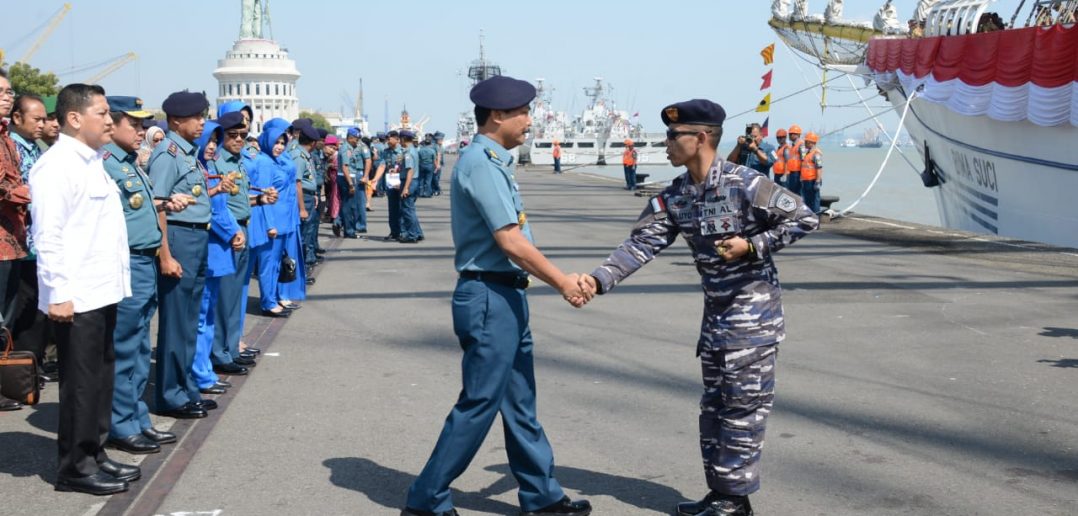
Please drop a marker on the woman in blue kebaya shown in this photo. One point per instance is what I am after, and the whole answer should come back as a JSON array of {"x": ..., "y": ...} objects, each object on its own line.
[
  {"x": 268, "y": 170},
  {"x": 225, "y": 233},
  {"x": 288, "y": 209}
]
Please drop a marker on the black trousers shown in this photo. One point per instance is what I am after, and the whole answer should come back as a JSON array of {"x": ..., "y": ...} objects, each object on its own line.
[
  {"x": 28, "y": 325},
  {"x": 87, "y": 361}
]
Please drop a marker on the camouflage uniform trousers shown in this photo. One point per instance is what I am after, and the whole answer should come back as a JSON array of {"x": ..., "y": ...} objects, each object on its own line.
[{"x": 739, "y": 390}]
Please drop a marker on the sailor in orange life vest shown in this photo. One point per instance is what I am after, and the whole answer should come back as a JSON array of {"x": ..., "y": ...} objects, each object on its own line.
[
  {"x": 793, "y": 160},
  {"x": 812, "y": 172},
  {"x": 779, "y": 167},
  {"x": 557, "y": 157},
  {"x": 628, "y": 160}
]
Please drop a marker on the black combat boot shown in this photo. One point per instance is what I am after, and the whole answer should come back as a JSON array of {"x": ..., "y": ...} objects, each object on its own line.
[{"x": 716, "y": 504}]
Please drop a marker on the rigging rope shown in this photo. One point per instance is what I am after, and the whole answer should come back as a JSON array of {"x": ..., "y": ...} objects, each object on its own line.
[{"x": 894, "y": 145}]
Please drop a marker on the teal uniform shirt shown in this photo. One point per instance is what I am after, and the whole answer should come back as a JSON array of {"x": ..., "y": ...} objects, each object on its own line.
[
  {"x": 344, "y": 158},
  {"x": 427, "y": 154},
  {"x": 360, "y": 155},
  {"x": 174, "y": 170},
  {"x": 136, "y": 196},
  {"x": 318, "y": 161},
  {"x": 379, "y": 149},
  {"x": 485, "y": 198},
  {"x": 239, "y": 204},
  {"x": 305, "y": 171}
]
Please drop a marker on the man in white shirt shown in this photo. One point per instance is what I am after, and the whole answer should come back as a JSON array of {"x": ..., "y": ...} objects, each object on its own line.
[{"x": 83, "y": 271}]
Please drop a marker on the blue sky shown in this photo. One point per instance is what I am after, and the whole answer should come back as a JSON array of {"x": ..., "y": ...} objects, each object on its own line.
[{"x": 653, "y": 53}]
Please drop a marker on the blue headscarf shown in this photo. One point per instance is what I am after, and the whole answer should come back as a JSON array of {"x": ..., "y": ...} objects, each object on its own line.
[
  {"x": 270, "y": 133},
  {"x": 211, "y": 130},
  {"x": 236, "y": 105}
]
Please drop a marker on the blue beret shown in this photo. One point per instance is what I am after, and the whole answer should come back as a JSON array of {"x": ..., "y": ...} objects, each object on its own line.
[
  {"x": 354, "y": 131},
  {"x": 407, "y": 134},
  {"x": 502, "y": 92},
  {"x": 131, "y": 106},
  {"x": 148, "y": 123},
  {"x": 695, "y": 111},
  {"x": 309, "y": 131},
  {"x": 322, "y": 133},
  {"x": 231, "y": 120},
  {"x": 439, "y": 134},
  {"x": 185, "y": 103},
  {"x": 392, "y": 134}
]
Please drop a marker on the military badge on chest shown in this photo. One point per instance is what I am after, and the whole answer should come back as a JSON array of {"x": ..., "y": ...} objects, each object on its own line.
[{"x": 718, "y": 215}]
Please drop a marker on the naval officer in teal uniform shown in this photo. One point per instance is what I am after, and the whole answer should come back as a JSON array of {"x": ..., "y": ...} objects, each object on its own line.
[
  {"x": 174, "y": 169},
  {"x": 131, "y": 429},
  {"x": 494, "y": 254}
]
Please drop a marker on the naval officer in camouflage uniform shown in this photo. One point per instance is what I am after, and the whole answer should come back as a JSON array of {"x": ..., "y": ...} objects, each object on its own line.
[
  {"x": 494, "y": 254},
  {"x": 174, "y": 169},
  {"x": 130, "y": 429},
  {"x": 734, "y": 220}
]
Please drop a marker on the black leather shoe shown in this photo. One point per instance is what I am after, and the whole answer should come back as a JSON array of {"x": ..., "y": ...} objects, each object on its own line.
[
  {"x": 244, "y": 361},
  {"x": 158, "y": 436},
  {"x": 247, "y": 354},
  {"x": 271, "y": 313},
  {"x": 716, "y": 504},
  {"x": 188, "y": 411},
  {"x": 213, "y": 389},
  {"x": 417, "y": 512},
  {"x": 252, "y": 349},
  {"x": 8, "y": 404},
  {"x": 135, "y": 443},
  {"x": 99, "y": 484},
  {"x": 206, "y": 404},
  {"x": 231, "y": 369},
  {"x": 320, "y": 251},
  {"x": 121, "y": 471},
  {"x": 292, "y": 306},
  {"x": 390, "y": 238},
  {"x": 310, "y": 280},
  {"x": 564, "y": 506},
  {"x": 409, "y": 241}
]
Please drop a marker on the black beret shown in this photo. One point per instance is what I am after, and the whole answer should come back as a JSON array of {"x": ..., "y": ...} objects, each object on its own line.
[
  {"x": 393, "y": 134},
  {"x": 185, "y": 103},
  {"x": 302, "y": 121},
  {"x": 308, "y": 130},
  {"x": 322, "y": 133},
  {"x": 231, "y": 120},
  {"x": 695, "y": 111},
  {"x": 502, "y": 92}
]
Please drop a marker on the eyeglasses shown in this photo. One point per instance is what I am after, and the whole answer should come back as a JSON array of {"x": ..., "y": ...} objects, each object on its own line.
[
  {"x": 8, "y": 92},
  {"x": 673, "y": 135},
  {"x": 235, "y": 135}
]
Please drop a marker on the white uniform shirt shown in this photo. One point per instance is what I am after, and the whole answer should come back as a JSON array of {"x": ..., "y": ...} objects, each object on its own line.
[{"x": 79, "y": 229}]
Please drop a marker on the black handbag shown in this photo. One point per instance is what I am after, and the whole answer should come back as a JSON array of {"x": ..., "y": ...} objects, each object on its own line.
[
  {"x": 18, "y": 373},
  {"x": 288, "y": 269}
]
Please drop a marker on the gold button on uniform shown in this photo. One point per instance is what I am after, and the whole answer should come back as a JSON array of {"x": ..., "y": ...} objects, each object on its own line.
[
  {"x": 196, "y": 190},
  {"x": 135, "y": 201}
]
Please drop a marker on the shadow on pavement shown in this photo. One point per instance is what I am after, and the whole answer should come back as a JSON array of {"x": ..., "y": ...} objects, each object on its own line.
[
  {"x": 45, "y": 416},
  {"x": 636, "y": 492},
  {"x": 27, "y": 455},
  {"x": 1051, "y": 331},
  {"x": 388, "y": 487},
  {"x": 1061, "y": 362}
]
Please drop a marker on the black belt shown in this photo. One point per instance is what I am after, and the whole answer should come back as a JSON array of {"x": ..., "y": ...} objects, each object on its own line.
[
  {"x": 509, "y": 279},
  {"x": 151, "y": 252},
  {"x": 204, "y": 226},
  {"x": 312, "y": 192},
  {"x": 243, "y": 222}
]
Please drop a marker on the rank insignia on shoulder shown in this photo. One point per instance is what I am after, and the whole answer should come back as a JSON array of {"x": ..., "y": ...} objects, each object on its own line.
[
  {"x": 173, "y": 149},
  {"x": 493, "y": 156},
  {"x": 106, "y": 155},
  {"x": 124, "y": 169},
  {"x": 129, "y": 184},
  {"x": 522, "y": 218}
]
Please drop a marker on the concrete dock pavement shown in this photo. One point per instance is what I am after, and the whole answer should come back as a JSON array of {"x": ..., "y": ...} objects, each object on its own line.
[{"x": 925, "y": 372}]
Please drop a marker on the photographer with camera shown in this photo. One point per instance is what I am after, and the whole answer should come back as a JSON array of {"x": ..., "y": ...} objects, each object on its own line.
[{"x": 753, "y": 152}]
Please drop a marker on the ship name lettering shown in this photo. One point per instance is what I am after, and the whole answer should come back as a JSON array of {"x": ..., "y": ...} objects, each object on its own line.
[{"x": 975, "y": 170}]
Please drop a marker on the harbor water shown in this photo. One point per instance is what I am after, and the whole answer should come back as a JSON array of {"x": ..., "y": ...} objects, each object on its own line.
[{"x": 848, "y": 171}]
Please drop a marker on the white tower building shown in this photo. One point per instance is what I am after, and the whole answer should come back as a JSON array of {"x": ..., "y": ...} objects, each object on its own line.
[{"x": 258, "y": 72}]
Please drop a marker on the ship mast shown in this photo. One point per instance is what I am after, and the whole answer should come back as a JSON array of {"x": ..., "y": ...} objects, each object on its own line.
[{"x": 480, "y": 69}]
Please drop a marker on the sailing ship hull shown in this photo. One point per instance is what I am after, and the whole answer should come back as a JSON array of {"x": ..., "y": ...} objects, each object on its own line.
[{"x": 1012, "y": 179}]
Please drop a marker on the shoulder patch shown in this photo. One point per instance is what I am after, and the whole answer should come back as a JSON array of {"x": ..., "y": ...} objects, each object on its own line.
[
  {"x": 658, "y": 207},
  {"x": 786, "y": 202},
  {"x": 172, "y": 148},
  {"x": 493, "y": 156}
]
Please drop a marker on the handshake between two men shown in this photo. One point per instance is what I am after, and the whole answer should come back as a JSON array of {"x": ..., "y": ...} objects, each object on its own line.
[{"x": 578, "y": 289}]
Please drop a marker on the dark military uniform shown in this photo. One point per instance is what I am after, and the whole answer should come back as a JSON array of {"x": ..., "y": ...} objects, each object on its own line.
[
  {"x": 130, "y": 415},
  {"x": 743, "y": 321},
  {"x": 175, "y": 170}
]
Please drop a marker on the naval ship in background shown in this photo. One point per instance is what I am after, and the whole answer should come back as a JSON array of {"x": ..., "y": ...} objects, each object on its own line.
[
  {"x": 597, "y": 136},
  {"x": 994, "y": 109}
]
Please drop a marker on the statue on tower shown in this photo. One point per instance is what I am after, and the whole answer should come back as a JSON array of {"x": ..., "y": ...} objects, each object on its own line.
[{"x": 251, "y": 19}]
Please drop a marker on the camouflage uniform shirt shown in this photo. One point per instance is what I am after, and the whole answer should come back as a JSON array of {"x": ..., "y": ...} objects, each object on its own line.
[{"x": 742, "y": 306}]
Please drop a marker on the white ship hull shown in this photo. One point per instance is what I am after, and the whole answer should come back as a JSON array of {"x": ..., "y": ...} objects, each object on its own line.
[
  {"x": 1012, "y": 179},
  {"x": 589, "y": 151}
]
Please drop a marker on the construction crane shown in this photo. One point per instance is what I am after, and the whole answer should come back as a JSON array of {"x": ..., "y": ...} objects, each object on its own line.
[
  {"x": 120, "y": 61},
  {"x": 49, "y": 28}
]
